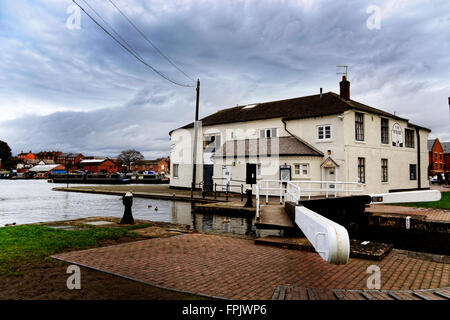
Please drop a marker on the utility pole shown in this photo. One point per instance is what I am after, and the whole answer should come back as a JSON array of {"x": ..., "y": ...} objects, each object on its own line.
[{"x": 194, "y": 156}]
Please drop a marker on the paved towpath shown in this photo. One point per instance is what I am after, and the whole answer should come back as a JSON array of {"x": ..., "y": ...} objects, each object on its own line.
[
  {"x": 428, "y": 213},
  {"x": 236, "y": 268}
]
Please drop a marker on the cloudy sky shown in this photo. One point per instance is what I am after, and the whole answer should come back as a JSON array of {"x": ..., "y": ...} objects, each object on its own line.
[{"x": 76, "y": 90}]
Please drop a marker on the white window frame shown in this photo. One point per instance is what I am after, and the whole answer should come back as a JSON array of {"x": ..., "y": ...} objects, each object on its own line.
[
  {"x": 271, "y": 130},
  {"x": 300, "y": 170},
  {"x": 323, "y": 126},
  {"x": 175, "y": 170}
]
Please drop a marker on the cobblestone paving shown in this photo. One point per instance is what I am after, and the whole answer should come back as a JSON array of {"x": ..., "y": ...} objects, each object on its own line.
[{"x": 236, "y": 268}]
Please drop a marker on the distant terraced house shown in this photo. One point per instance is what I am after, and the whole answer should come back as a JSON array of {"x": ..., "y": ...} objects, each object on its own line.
[
  {"x": 48, "y": 155},
  {"x": 99, "y": 165},
  {"x": 160, "y": 165},
  {"x": 322, "y": 137}
]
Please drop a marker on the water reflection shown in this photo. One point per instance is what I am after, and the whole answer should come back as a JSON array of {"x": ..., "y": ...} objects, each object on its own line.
[
  {"x": 29, "y": 201},
  {"x": 182, "y": 212}
]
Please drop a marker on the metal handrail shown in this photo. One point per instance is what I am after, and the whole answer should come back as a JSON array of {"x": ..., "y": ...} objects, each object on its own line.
[
  {"x": 227, "y": 189},
  {"x": 330, "y": 187},
  {"x": 293, "y": 190},
  {"x": 259, "y": 188}
]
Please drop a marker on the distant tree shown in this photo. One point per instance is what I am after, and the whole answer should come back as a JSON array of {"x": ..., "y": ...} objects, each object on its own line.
[
  {"x": 129, "y": 156},
  {"x": 5, "y": 155}
]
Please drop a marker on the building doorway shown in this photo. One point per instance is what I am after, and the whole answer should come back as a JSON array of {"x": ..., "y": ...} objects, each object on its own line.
[
  {"x": 208, "y": 170},
  {"x": 330, "y": 174}
]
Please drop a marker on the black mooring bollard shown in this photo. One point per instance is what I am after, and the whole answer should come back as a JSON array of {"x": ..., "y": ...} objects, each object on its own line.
[
  {"x": 249, "y": 203},
  {"x": 127, "y": 201}
]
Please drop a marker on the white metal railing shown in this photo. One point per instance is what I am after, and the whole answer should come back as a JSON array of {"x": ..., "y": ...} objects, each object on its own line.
[
  {"x": 327, "y": 188},
  {"x": 293, "y": 190},
  {"x": 266, "y": 186}
]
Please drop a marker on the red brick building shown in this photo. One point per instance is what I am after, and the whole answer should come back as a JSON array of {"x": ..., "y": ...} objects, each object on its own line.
[
  {"x": 436, "y": 157},
  {"x": 48, "y": 155},
  {"x": 26, "y": 156},
  {"x": 70, "y": 159},
  {"x": 99, "y": 166},
  {"x": 446, "y": 148},
  {"x": 160, "y": 165}
]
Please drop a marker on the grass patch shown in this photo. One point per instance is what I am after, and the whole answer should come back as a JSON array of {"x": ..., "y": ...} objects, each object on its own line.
[
  {"x": 21, "y": 245},
  {"x": 444, "y": 203},
  {"x": 138, "y": 226}
]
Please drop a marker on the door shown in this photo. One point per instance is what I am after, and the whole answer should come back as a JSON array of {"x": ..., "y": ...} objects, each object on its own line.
[
  {"x": 330, "y": 175},
  {"x": 226, "y": 174},
  {"x": 208, "y": 170}
]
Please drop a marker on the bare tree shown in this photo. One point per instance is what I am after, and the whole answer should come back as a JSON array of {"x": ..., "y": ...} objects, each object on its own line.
[{"x": 129, "y": 156}]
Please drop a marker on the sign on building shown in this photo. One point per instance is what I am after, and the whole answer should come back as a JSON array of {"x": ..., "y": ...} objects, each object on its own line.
[{"x": 397, "y": 135}]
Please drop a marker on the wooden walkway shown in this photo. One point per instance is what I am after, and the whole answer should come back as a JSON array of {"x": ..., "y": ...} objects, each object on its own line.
[
  {"x": 274, "y": 217},
  {"x": 300, "y": 293}
]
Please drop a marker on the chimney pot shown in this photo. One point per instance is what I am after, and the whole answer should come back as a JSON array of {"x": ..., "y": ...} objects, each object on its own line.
[
  {"x": 345, "y": 88},
  {"x": 321, "y": 94}
]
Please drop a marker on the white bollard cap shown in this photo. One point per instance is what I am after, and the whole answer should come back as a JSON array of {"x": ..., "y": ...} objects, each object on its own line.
[{"x": 128, "y": 194}]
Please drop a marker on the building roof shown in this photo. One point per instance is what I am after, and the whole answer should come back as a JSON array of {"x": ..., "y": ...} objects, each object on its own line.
[
  {"x": 145, "y": 162},
  {"x": 92, "y": 161},
  {"x": 44, "y": 168},
  {"x": 430, "y": 144},
  {"x": 446, "y": 147},
  {"x": 48, "y": 153},
  {"x": 95, "y": 162},
  {"x": 287, "y": 146},
  {"x": 290, "y": 109},
  {"x": 69, "y": 155}
]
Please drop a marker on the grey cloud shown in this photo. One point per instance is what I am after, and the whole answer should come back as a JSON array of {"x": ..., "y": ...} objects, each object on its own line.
[{"x": 243, "y": 52}]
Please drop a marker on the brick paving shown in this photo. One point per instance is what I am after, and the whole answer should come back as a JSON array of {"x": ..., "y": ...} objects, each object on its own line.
[
  {"x": 236, "y": 268},
  {"x": 430, "y": 214}
]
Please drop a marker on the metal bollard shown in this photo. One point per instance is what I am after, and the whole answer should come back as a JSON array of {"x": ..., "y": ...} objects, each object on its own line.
[
  {"x": 249, "y": 203},
  {"x": 226, "y": 193},
  {"x": 215, "y": 190},
  {"x": 127, "y": 201},
  {"x": 242, "y": 192}
]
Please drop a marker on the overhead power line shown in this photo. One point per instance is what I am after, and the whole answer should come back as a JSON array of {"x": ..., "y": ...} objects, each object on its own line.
[
  {"x": 114, "y": 31},
  {"x": 149, "y": 41},
  {"x": 131, "y": 51}
]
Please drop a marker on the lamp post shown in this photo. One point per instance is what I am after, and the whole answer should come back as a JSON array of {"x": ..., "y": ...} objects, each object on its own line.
[{"x": 194, "y": 157}]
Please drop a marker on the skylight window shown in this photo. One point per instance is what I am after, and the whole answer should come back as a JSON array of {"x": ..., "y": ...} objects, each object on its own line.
[{"x": 250, "y": 106}]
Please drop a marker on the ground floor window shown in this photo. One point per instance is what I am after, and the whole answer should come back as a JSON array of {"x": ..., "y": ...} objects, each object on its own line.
[
  {"x": 412, "y": 172},
  {"x": 301, "y": 170},
  {"x": 384, "y": 170},
  {"x": 362, "y": 170},
  {"x": 175, "y": 170}
]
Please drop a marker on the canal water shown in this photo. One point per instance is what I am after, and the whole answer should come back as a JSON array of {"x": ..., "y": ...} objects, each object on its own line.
[{"x": 30, "y": 201}]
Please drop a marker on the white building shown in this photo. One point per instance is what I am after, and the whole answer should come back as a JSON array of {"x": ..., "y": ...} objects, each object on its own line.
[{"x": 324, "y": 137}]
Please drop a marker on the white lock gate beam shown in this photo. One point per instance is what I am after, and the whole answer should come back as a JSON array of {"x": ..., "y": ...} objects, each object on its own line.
[
  {"x": 329, "y": 239},
  {"x": 407, "y": 196}
]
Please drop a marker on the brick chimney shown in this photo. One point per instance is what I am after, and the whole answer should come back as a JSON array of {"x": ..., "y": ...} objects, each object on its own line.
[{"x": 345, "y": 88}]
